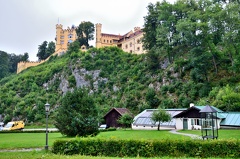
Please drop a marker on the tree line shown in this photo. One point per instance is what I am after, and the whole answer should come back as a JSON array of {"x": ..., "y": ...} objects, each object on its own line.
[
  {"x": 204, "y": 33},
  {"x": 9, "y": 61}
]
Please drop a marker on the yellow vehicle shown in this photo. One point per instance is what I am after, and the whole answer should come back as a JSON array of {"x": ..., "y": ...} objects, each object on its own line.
[{"x": 14, "y": 125}]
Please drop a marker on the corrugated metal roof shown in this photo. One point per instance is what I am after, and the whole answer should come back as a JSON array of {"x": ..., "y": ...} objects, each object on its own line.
[
  {"x": 201, "y": 107},
  {"x": 231, "y": 119},
  {"x": 144, "y": 118},
  {"x": 208, "y": 109}
]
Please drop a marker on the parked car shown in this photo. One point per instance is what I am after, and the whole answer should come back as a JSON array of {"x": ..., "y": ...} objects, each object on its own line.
[{"x": 102, "y": 127}]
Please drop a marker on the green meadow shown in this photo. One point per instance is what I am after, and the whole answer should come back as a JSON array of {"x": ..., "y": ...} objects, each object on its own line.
[{"x": 11, "y": 144}]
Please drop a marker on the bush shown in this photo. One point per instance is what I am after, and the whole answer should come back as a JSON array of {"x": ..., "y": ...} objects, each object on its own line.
[{"x": 144, "y": 148}]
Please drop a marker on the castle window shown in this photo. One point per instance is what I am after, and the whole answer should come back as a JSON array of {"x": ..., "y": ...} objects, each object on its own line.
[
  {"x": 62, "y": 41},
  {"x": 70, "y": 36},
  {"x": 126, "y": 46},
  {"x": 104, "y": 40},
  {"x": 130, "y": 44},
  {"x": 138, "y": 41},
  {"x": 110, "y": 41},
  {"x": 138, "y": 48},
  {"x": 62, "y": 37},
  {"x": 130, "y": 51},
  {"x": 107, "y": 41},
  {"x": 70, "y": 41}
]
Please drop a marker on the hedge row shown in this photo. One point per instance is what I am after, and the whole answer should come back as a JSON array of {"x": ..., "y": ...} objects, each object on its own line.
[{"x": 134, "y": 148}]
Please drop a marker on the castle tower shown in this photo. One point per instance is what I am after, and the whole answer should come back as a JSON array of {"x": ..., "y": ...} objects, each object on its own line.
[
  {"x": 98, "y": 35},
  {"x": 58, "y": 36}
]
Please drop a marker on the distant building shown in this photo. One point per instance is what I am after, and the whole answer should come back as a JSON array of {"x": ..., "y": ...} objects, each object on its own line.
[
  {"x": 111, "y": 118},
  {"x": 185, "y": 118},
  {"x": 64, "y": 37},
  {"x": 130, "y": 42},
  {"x": 191, "y": 118},
  {"x": 143, "y": 121}
]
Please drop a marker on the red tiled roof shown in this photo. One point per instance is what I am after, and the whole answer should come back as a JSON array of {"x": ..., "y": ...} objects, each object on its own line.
[{"x": 112, "y": 35}]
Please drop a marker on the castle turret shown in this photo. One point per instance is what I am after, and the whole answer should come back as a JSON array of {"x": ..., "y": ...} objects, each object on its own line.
[
  {"x": 58, "y": 36},
  {"x": 98, "y": 35}
]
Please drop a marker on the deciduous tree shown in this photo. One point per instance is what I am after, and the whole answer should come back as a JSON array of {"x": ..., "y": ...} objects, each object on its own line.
[
  {"x": 85, "y": 32},
  {"x": 126, "y": 120},
  {"x": 160, "y": 115}
]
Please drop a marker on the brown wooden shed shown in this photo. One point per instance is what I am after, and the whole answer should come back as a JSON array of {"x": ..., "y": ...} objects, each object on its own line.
[{"x": 113, "y": 115}]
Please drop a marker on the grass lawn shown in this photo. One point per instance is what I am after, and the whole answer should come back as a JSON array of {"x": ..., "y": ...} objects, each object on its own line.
[
  {"x": 37, "y": 140},
  {"x": 141, "y": 135},
  {"x": 222, "y": 133},
  {"x": 27, "y": 140},
  {"x": 48, "y": 155}
]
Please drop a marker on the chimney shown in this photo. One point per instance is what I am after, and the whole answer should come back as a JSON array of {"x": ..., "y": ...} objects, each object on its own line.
[{"x": 191, "y": 105}]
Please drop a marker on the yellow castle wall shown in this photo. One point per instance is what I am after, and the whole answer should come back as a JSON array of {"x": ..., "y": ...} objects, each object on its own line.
[
  {"x": 64, "y": 37},
  {"x": 131, "y": 45},
  {"x": 24, "y": 65}
]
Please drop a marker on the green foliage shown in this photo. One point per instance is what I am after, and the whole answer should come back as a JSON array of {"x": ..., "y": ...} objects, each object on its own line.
[
  {"x": 144, "y": 148},
  {"x": 126, "y": 120},
  {"x": 184, "y": 72},
  {"x": 160, "y": 115},
  {"x": 8, "y": 63},
  {"x": 45, "y": 50},
  {"x": 77, "y": 114},
  {"x": 85, "y": 32},
  {"x": 73, "y": 49},
  {"x": 152, "y": 98},
  {"x": 227, "y": 98}
]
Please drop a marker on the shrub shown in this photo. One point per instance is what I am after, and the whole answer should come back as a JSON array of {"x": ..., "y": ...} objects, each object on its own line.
[{"x": 144, "y": 148}]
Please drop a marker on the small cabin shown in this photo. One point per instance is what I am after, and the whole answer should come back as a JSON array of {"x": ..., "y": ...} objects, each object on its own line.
[{"x": 111, "y": 118}]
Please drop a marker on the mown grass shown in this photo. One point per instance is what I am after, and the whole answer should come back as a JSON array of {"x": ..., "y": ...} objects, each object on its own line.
[
  {"x": 48, "y": 155},
  {"x": 27, "y": 140},
  {"x": 37, "y": 140},
  {"x": 222, "y": 133},
  {"x": 140, "y": 135}
]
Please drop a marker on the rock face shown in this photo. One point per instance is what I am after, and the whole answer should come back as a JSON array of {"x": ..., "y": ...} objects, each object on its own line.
[
  {"x": 80, "y": 77},
  {"x": 64, "y": 85},
  {"x": 83, "y": 78}
]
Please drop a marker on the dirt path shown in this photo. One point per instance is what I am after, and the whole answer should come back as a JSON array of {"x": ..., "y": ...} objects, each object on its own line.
[
  {"x": 22, "y": 150},
  {"x": 190, "y": 135}
]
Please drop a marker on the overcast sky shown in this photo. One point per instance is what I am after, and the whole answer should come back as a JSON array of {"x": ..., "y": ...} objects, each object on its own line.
[{"x": 25, "y": 24}]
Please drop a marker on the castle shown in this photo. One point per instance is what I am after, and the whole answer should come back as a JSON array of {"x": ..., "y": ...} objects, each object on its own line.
[{"x": 130, "y": 42}]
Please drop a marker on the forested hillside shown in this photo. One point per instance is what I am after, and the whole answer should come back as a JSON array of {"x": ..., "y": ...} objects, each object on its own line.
[{"x": 193, "y": 58}]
